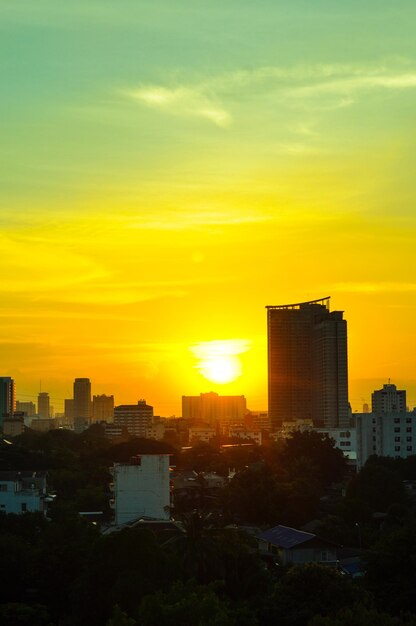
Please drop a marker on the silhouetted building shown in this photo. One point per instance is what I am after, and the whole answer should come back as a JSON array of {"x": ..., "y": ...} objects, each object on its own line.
[
  {"x": 82, "y": 400},
  {"x": 69, "y": 410},
  {"x": 28, "y": 408},
  {"x": 7, "y": 397},
  {"x": 103, "y": 408},
  {"x": 307, "y": 364},
  {"x": 43, "y": 405},
  {"x": 136, "y": 418},
  {"x": 214, "y": 409},
  {"x": 388, "y": 400}
]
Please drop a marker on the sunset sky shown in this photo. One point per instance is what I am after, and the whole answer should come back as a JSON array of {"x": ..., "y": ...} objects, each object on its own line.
[{"x": 170, "y": 167}]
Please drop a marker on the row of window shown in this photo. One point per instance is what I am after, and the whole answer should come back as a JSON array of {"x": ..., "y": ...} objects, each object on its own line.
[{"x": 396, "y": 448}]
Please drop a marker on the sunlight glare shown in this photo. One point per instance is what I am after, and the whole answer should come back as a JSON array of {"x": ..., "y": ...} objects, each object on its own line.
[{"x": 218, "y": 360}]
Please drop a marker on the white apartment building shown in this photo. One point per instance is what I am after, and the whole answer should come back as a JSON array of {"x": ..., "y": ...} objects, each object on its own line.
[
  {"x": 385, "y": 434},
  {"x": 345, "y": 439},
  {"x": 141, "y": 488}
]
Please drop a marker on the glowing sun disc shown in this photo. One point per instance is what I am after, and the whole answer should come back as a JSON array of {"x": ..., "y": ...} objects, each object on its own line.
[
  {"x": 220, "y": 369},
  {"x": 218, "y": 360}
]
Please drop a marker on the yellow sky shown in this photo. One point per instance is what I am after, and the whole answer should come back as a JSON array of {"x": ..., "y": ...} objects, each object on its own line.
[{"x": 167, "y": 173}]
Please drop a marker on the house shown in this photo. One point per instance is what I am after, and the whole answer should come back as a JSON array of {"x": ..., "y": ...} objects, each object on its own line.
[
  {"x": 296, "y": 547},
  {"x": 21, "y": 492}
]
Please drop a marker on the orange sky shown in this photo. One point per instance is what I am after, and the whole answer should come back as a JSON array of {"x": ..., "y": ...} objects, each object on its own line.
[{"x": 167, "y": 173}]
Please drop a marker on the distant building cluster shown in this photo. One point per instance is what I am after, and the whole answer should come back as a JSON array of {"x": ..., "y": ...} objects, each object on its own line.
[{"x": 307, "y": 390}]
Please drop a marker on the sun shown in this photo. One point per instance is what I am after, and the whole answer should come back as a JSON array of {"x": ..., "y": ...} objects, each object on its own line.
[
  {"x": 220, "y": 369},
  {"x": 218, "y": 360}
]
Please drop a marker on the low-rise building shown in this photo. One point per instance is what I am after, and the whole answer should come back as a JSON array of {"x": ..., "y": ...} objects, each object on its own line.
[
  {"x": 13, "y": 426},
  {"x": 201, "y": 433},
  {"x": 24, "y": 491},
  {"x": 296, "y": 547},
  {"x": 242, "y": 433},
  {"x": 141, "y": 488},
  {"x": 43, "y": 425}
]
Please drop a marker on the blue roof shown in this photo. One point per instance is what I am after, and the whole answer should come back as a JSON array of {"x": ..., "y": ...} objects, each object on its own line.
[{"x": 285, "y": 537}]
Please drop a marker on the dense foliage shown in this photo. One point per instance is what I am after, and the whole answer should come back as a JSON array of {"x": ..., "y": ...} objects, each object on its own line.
[{"x": 62, "y": 571}]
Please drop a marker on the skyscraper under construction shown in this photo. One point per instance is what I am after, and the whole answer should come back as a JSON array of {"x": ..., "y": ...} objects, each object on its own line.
[{"x": 307, "y": 364}]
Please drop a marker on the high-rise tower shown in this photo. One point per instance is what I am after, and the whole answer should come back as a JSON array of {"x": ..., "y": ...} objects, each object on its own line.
[
  {"x": 307, "y": 358},
  {"x": 44, "y": 408},
  {"x": 7, "y": 397},
  {"x": 82, "y": 399}
]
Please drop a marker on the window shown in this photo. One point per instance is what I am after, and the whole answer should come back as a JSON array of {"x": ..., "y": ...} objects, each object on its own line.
[
  {"x": 397, "y": 420},
  {"x": 397, "y": 448},
  {"x": 374, "y": 438},
  {"x": 397, "y": 429},
  {"x": 324, "y": 555},
  {"x": 374, "y": 420},
  {"x": 397, "y": 439},
  {"x": 374, "y": 448},
  {"x": 408, "y": 439},
  {"x": 3, "y": 487},
  {"x": 374, "y": 430},
  {"x": 24, "y": 507},
  {"x": 408, "y": 420},
  {"x": 409, "y": 448},
  {"x": 409, "y": 429}
]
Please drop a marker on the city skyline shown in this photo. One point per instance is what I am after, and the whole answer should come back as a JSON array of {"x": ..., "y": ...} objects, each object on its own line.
[{"x": 169, "y": 170}]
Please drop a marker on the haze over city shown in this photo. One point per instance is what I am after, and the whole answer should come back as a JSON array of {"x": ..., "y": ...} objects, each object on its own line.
[{"x": 167, "y": 171}]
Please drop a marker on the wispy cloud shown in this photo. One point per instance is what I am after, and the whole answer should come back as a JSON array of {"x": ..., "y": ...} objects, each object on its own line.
[
  {"x": 198, "y": 219},
  {"x": 183, "y": 101},
  {"x": 207, "y": 98}
]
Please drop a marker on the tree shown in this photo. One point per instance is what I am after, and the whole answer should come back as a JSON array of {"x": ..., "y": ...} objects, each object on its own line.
[
  {"x": 255, "y": 497},
  {"x": 360, "y": 615},
  {"x": 185, "y": 603},
  {"x": 391, "y": 570},
  {"x": 320, "y": 449},
  {"x": 309, "y": 590},
  {"x": 376, "y": 487}
]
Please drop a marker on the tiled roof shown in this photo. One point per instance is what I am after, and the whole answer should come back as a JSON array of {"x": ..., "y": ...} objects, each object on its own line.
[{"x": 285, "y": 537}]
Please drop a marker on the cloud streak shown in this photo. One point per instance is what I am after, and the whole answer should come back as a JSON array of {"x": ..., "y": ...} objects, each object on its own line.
[
  {"x": 183, "y": 101},
  {"x": 207, "y": 98}
]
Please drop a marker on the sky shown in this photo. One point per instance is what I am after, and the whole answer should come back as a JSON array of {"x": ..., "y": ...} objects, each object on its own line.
[{"x": 168, "y": 168}]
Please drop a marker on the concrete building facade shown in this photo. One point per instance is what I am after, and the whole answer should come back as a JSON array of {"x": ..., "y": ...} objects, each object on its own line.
[
  {"x": 141, "y": 488},
  {"x": 385, "y": 434}
]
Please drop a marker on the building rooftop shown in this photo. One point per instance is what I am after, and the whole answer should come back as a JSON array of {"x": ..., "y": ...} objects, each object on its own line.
[
  {"x": 298, "y": 305},
  {"x": 286, "y": 537}
]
